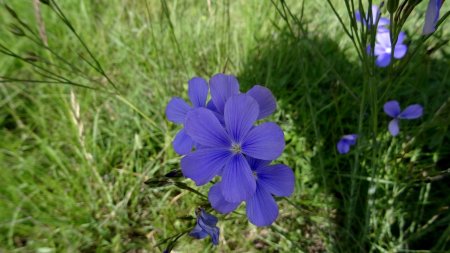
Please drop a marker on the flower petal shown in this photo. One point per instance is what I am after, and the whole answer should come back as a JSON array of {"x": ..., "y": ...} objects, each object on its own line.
[
  {"x": 392, "y": 108},
  {"x": 262, "y": 210},
  {"x": 203, "y": 165},
  {"x": 343, "y": 146},
  {"x": 256, "y": 163},
  {"x": 218, "y": 202},
  {"x": 431, "y": 16},
  {"x": 241, "y": 112},
  {"x": 400, "y": 51},
  {"x": 266, "y": 100},
  {"x": 411, "y": 112},
  {"x": 350, "y": 138},
  {"x": 182, "y": 144},
  {"x": 208, "y": 219},
  {"x": 205, "y": 129},
  {"x": 393, "y": 127},
  {"x": 198, "y": 91},
  {"x": 265, "y": 142},
  {"x": 277, "y": 179},
  {"x": 198, "y": 232},
  {"x": 223, "y": 87},
  {"x": 176, "y": 110},
  {"x": 383, "y": 60},
  {"x": 238, "y": 182}
]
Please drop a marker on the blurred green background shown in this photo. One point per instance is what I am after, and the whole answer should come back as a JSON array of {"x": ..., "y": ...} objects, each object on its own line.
[{"x": 74, "y": 160}]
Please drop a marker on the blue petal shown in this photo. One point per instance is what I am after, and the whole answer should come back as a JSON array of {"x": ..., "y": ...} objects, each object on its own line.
[
  {"x": 241, "y": 112},
  {"x": 198, "y": 91},
  {"x": 205, "y": 129},
  {"x": 383, "y": 60},
  {"x": 411, "y": 112},
  {"x": 223, "y": 87},
  {"x": 393, "y": 127},
  {"x": 176, "y": 110},
  {"x": 238, "y": 182},
  {"x": 265, "y": 142},
  {"x": 277, "y": 179},
  {"x": 256, "y": 163},
  {"x": 208, "y": 219},
  {"x": 203, "y": 165},
  {"x": 182, "y": 144},
  {"x": 343, "y": 146},
  {"x": 218, "y": 202},
  {"x": 392, "y": 108},
  {"x": 266, "y": 100},
  {"x": 198, "y": 232},
  {"x": 350, "y": 138},
  {"x": 212, "y": 231},
  {"x": 262, "y": 210},
  {"x": 432, "y": 16},
  {"x": 400, "y": 51}
]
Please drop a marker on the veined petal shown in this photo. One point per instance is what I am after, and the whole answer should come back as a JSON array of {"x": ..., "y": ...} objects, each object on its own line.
[
  {"x": 203, "y": 165},
  {"x": 205, "y": 129},
  {"x": 198, "y": 91},
  {"x": 277, "y": 179},
  {"x": 218, "y": 202},
  {"x": 266, "y": 100},
  {"x": 393, "y": 127},
  {"x": 241, "y": 112},
  {"x": 265, "y": 142},
  {"x": 392, "y": 108},
  {"x": 182, "y": 144},
  {"x": 262, "y": 210},
  {"x": 238, "y": 182},
  {"x": 256, "y": 163},
  {"x": 223, "y": 87},
  {"x": 411, "y": 112},
  {"x": 176, "y": 110}
]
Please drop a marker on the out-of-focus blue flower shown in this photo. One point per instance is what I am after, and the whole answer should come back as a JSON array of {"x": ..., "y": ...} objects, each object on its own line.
[
  {"x": 206, "y": 225},
  {"x": 344, "y": 144},
  {"x": 261, "y": 208},
  {"x": 383, "y": 48},
  {"x": 376, "y": 14},
  {"x": 392, "y": 108},
  {"x": 432, "y": 16},
  {"x": 177, "y": 110},
  {"x": 222, "y": 148}
]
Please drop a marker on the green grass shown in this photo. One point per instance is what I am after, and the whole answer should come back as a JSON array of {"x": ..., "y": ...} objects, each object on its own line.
[{"x": 74, "y": 182}]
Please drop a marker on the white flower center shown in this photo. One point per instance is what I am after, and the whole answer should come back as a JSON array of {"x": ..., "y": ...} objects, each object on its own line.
[{"x": 236, "y": 148}]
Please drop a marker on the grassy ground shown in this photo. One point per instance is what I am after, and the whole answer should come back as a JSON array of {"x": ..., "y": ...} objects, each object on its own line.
[{"x": 74, "y": 160}]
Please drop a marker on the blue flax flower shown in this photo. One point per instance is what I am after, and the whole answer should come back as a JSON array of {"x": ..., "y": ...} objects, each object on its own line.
[
  {"x": 222, "y": 148},
  {"x": 206, "y": 225},
  {"x": 392, "y": 108},
  {"x": 383, "y": 47},
  {"x": 376, "y": 16},
  {"x": 432, "y": 16},
  {"x": 261, "y": 208},
  {"x": 343, "y": 146},
  {"x": 177, "y": 110}
]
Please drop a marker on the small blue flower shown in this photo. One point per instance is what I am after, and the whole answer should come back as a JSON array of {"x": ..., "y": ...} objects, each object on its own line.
[
  {"x": 344, "y": 144},
  {"x": 432, "y": 16},
  {"x": 177, "y": 110},
  {"x": 206, "y": 225},
  {"x": 261, "y": 208},
  {"x": 392, "y": 108},
  {"x": 223, "y": 148},
  {"x": 376, "y": 14},
  {"x": 383, "y": 47}
]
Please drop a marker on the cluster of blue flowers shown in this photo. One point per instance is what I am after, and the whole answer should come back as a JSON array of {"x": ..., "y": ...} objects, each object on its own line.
[
  {"x": 220, "y": 139},
  {"x": 384, "y": 51}
]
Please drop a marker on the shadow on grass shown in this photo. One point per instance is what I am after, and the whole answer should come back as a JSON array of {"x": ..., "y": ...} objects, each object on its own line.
[{"x": 317, "y": 90}]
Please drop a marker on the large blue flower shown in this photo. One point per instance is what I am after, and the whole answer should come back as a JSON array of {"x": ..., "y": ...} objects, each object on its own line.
[
  {"x": 392, "y": 108},
  {"x": 177, "y": 110},
  {"x": 206, "y": 225},
  {"x": 432, "y": 16},
  {"x": 222, "y": 148},
  {"x": 262, "y": 210}
]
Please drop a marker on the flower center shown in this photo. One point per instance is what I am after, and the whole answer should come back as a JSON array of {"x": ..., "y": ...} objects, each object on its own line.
[
  {"x": 236, "y": 148},
  {"x": 388, "y": 50}
]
